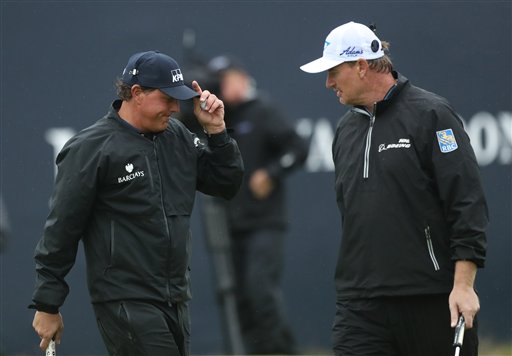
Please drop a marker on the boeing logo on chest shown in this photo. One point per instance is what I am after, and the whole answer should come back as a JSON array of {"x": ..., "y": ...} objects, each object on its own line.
[
  {"x": 129, "y": 168},
  {"x": 402, "y": 143}
]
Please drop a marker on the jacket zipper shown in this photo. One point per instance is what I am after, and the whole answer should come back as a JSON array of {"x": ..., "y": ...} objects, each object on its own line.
[
  {"x": 151, "y": 181},
  {"x": 165, "y": 222},
  {"x": 112, "y": 241},
  {"x": 366, "y": 162},
  {"x": 366, "y": 168},
  {"x": 431, "y": 249}
]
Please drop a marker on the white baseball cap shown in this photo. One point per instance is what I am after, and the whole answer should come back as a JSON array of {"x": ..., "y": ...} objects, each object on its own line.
[{"x": 346, "y": 43}]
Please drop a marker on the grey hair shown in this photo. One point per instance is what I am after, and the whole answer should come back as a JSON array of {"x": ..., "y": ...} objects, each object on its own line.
[{"x": 384, "y": 63}]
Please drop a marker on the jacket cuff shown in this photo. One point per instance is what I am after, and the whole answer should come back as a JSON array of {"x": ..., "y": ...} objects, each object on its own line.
[
  {"x": 50, "y": 309},
  {"x": 469, "y": 254},
  {"x": 218, "y": 139}
]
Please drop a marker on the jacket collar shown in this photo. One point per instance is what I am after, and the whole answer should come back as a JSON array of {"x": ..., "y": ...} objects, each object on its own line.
[
  {"x": 390, "y": 97},
  {"x": 114, "y": 115}
]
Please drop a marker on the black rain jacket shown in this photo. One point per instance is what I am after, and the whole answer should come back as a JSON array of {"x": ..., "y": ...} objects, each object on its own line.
[
  {"x": 129, "y": 199},
  {"x": 409, "y": 190}
]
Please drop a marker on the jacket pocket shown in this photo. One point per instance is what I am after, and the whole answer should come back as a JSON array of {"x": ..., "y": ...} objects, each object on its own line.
[
  {"x": 111, "y": 246},
  {"x": 112, "y": 241},
  {"x": 124, "y": 315},
  {"x": 106, "y": 333},
  {"x": 430, "y": 248}
]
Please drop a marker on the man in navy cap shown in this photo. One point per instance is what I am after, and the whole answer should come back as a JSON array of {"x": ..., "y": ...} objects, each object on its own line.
[{"x": 125, "y": 187}]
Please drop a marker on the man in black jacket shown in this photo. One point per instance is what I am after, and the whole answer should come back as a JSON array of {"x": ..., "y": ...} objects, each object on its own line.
[
  {"x": 413, "y": 209},
  {"x": 126, "y": 187},
  {"x": 256, "y": 216}
]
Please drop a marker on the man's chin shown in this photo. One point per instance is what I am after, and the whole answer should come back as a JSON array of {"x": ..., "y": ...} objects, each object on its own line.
[{"x": 163, "y": 127}]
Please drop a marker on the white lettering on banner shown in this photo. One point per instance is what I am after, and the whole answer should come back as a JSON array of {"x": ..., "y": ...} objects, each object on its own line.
[
  {"x": 57, "y": 137},
  {"x": 505, "y": 119},
  {"x": 491, "y": 139},
  {"x": 321, "y": 135}
]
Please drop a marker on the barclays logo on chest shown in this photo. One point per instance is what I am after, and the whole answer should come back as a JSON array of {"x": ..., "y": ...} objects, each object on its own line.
[{"x": 131, "y": 174}]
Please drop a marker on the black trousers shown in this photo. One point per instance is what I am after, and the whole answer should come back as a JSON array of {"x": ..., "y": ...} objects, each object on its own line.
[
  {"x": 258, "y": 266},
  {"x": 398, "y": 326},
  {"x": 140, "y": 328}
]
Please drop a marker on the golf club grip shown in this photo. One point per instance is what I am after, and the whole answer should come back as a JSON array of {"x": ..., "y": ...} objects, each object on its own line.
[
  {"x": 50, "y": 350},
  {"x": 459, "y": 332}
]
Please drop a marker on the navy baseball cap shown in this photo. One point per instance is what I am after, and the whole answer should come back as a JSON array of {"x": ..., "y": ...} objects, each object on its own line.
[{"x": 153, "y": 69}]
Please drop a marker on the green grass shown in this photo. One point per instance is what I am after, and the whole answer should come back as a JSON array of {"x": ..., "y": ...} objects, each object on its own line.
[{"x": 491, "y": 348}]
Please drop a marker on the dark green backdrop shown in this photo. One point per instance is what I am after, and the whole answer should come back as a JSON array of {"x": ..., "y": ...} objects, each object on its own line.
[{"x": 58, "y": 63}]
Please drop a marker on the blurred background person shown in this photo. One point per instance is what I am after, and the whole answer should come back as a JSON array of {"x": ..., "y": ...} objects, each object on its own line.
[
  {"x": 257, "y": 216},
  {"x": 5, "y": 229}
]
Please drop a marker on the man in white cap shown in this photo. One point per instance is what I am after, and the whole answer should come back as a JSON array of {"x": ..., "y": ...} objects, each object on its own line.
[
  {"x": 125, "y": 187},
  {"x": 413, "y": 209}
]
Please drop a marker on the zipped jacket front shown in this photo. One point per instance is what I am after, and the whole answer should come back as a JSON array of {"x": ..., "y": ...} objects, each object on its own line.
[
  {"x": 410, "y": 194},
  {"x": 130, "y": 198}
]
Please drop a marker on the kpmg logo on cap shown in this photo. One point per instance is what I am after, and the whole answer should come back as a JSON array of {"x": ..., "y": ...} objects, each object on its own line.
[
  {"x": 351, "y": 51},
  {"x": 326, "y": 44},
  {"x": 176, "y": 75}
]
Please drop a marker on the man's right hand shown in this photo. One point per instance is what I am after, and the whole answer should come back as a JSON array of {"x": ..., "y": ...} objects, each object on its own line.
[
  {"x": 48, "y": 327},
  {"x": 261, "y": 184}
]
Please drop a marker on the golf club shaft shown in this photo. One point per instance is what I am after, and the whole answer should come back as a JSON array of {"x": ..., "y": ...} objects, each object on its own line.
[
  {"x": 50, "y": 350},
  {"x": 459, "y": 334}
]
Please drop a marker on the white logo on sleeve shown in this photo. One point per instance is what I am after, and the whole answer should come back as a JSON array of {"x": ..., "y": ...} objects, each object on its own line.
[
  {"x": 197, "y": 141},
  {"x": 446, "y": 140},
  {"x": 129, "y": 168}
]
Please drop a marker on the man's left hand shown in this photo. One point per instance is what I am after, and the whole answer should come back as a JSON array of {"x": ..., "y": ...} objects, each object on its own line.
[
  {"x": 463, "y": 298},
  {"x": 209, "y": 110}
]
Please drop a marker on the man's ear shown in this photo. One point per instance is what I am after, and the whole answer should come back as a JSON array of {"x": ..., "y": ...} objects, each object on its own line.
[
  {"x": 362, "y": 67},
  {"x": 136, "y": 91}
]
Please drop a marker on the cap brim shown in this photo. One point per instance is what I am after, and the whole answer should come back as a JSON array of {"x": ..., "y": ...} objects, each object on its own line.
[
  {"x": 320, "y": 65},
  {"x": 181, "y": 92}
]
